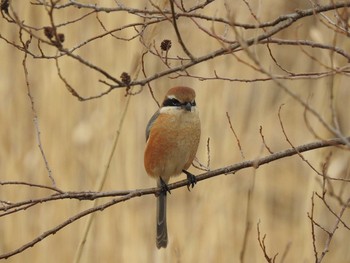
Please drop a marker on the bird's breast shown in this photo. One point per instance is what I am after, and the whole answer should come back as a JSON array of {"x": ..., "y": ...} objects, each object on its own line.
[{"x": 172, "y": 143}]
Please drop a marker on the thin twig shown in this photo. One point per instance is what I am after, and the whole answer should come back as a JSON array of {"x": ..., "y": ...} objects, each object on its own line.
[
  {"x": 332, "y": 232},
  {"x": 290, "y": 143},
  {"x": 32, "y": 185},
  {"x": 179, "y": 37},
  {"x": 35, "y": 115},
  {"x": 234, "y": 133},
  {"x": 312, "y": 221},
  {"x": 263, "y": 139},
  {"x": 263, "y": 246}
]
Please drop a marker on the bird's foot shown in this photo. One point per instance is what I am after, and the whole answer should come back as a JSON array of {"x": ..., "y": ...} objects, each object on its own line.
[
  {"x": 164, "y": 187},
  {"x": 192, "y": 180}
]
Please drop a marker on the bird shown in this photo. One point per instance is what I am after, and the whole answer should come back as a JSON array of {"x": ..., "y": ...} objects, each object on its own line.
[{"x": 172, "y": 139}]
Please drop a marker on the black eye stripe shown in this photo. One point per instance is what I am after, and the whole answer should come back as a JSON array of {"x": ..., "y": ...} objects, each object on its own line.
[
  {"x": 174, "y": 102},
  {"x": 171, "y": 102}
]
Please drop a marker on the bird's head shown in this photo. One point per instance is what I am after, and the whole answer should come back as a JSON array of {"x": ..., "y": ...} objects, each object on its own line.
[{"x": 181, "y": 98}]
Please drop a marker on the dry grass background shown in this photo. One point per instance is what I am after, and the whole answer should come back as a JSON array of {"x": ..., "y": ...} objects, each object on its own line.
[{"x": 206, "y": 224}]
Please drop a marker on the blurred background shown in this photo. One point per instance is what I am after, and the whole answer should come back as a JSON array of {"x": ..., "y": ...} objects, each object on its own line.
[{"x": 209, "y": 223}]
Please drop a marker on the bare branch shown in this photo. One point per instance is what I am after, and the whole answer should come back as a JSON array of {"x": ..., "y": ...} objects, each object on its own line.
[
  {"x": 35, "y": 116},
  {"x": 332, "y": 232},
  {"x": 179, "y": 38},
  {"x": 234, "y": 133},
  {"x": 126, "y": 195},
  {"x": 263, "y": 246}
]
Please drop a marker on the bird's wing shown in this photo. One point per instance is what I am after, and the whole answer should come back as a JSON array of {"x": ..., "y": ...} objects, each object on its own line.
[{"x": 150, "y": 123}]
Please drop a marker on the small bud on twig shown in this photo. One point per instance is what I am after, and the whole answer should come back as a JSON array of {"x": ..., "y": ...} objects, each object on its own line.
[
  {"x": 5, "y": 6},
  {"x": 49, "y": 32},
  {"x": 60, "y": 37},
  {"x": 165, "y": 45},
  {"x": 125, "y": 77}
]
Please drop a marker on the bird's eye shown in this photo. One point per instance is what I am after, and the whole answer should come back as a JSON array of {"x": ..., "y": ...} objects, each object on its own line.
[{"x": 171, "y": 102}]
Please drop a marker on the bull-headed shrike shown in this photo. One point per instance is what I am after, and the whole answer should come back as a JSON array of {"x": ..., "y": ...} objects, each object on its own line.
[{"x": 172, "y": 136}]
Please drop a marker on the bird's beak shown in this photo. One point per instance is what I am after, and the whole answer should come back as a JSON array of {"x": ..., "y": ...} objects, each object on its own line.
[{"x": 188, "y": 106}]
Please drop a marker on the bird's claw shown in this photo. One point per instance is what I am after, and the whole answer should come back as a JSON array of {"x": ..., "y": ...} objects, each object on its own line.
[
  {"x": 192, "y": 180},
  {"x": 164, "y": 187}
]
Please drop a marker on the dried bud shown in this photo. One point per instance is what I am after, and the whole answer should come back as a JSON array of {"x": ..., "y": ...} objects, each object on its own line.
[
  {"x": 165, "y": 45},
  {"x": 125, "y": 77},
  {"x": 60, "y": 37},
  {"x": 5, "y": 4},
  {"x": 49, "y": 32}
]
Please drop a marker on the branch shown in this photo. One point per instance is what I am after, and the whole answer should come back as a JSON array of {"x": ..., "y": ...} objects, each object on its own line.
[
  {"x": 307, "y": 43},
  {"x": 35, "y": 115},
  {"x": 158, "y": 16},
  {"x": 286, "y": 19},
  {"x": 332, "y": 231},
  {"x": 179, "y": 38},
  {"x": 263, "y": 246},
  {"x": 129, "y": 194}
]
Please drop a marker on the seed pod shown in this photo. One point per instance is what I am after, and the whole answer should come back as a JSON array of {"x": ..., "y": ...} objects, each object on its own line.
[
  {"x": 165, "y": 45},
  {"x": 125, "y": 77}
]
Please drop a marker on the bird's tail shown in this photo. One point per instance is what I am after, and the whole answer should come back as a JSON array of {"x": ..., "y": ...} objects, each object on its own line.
[{"x": 162, "y": 233}]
